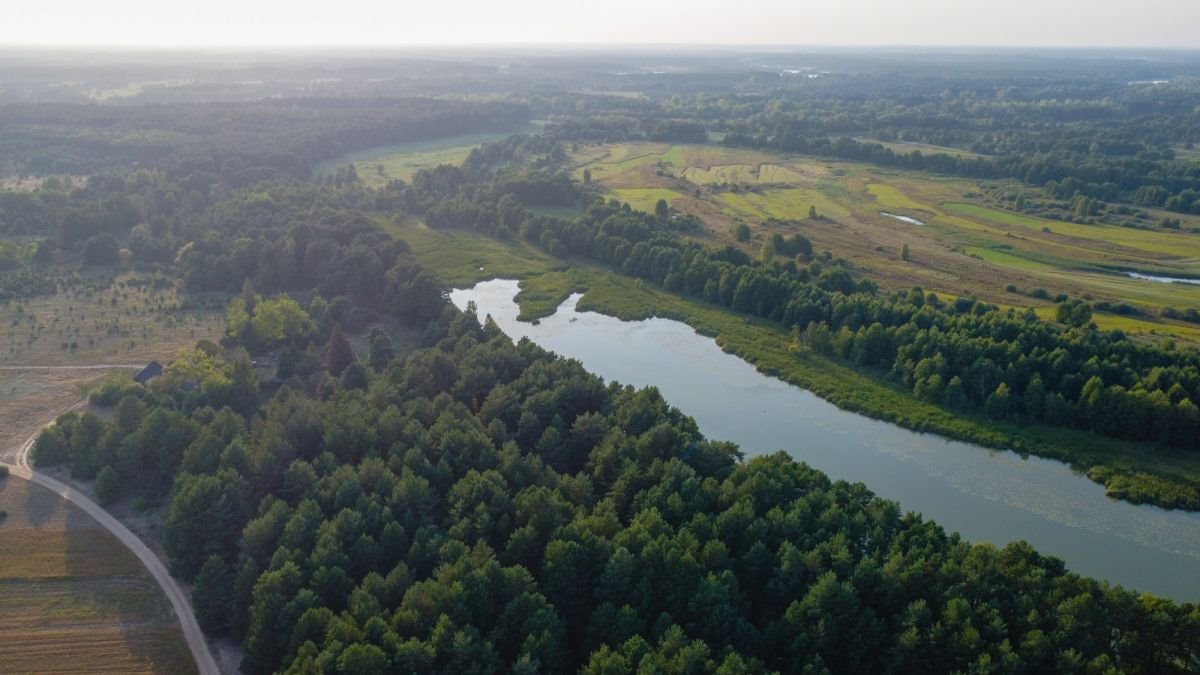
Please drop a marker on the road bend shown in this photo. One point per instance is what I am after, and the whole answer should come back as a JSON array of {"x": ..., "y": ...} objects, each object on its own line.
[{"x": 205, "y": 662}]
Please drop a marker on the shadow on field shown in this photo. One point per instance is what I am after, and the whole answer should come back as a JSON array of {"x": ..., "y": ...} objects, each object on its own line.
[
  {"x": 116, "y": 586},
  {"x": 39, "y": 509}
]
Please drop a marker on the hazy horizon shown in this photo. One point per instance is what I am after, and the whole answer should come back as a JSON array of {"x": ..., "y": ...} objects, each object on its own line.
[{"x": 668, "y": 23}]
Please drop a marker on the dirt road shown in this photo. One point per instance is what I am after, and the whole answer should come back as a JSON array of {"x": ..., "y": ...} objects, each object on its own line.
[{"x": 180, "y": 602}]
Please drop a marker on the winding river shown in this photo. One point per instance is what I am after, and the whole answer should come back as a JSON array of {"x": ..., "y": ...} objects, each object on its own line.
[{"x": 986, "y": 495}]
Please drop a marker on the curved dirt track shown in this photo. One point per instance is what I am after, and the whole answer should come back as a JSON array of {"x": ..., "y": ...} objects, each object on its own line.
[{"x": 180, "y": 603}]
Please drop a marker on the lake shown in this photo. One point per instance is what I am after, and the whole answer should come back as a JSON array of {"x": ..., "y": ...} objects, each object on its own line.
[{"x": 986, "y": 495}]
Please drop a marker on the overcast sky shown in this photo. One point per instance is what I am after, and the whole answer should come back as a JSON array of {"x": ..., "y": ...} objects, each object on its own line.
[{"x": 1153, "y": 23}]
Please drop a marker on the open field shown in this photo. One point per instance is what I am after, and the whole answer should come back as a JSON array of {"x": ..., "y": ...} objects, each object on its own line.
[
  {"x": 378, "y": 166},
  {"x": 74, "y": 599},
  {"x": 29, "y": 399},
  {"x": 909, "y": 147},
  {"x": 104, "y": 317},
  {"x": 968, "y": 245}
]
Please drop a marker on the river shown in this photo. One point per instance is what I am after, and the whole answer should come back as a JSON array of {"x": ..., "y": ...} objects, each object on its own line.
[
  {"x": 1163, "y": 280},
  {"x": 986, "y": 495}
]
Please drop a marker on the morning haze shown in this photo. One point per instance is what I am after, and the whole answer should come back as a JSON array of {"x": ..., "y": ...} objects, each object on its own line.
[
  {"x": 600, "y": 337},
  {"x": 1123, "y": 23}
]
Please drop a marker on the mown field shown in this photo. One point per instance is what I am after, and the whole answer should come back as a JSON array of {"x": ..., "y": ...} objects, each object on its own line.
[
  {"x": 73, "y": 599},
  {"x": 968, "y": 244},
  {"x": 464, "y": 258},
  {"x": 377, "y": 167}
]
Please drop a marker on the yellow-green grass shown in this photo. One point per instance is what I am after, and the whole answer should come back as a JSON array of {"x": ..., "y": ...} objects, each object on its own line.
[
  {"x": 378, "y": 166},
  {"x": 1152, "y": 241},
  {"x": 743, "y": 174},
  {"x": 997, "y": 257},
  {"x": 1148, "y": 294},
  {"x": 1133, "y": 325},
  {"x": 461, "y": 258},
  {"x": 892, "y": 198},
  {"x": 614, "y": 168},
  {"x": 1011, "y": 248},
  {"x": 1129, "y": 470},
  {"x": 74, "y": 599},
  {"x": 674, "y": 156},
  {"x": 784, "y": 204},
  {"x": 644, "y": 199}
]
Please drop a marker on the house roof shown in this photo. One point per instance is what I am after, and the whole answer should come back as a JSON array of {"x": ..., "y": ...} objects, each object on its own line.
[{"x": 152, "y": 370}]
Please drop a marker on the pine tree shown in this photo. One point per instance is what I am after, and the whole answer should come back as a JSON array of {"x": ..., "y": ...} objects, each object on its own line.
[{"x": 211, "y": 596}]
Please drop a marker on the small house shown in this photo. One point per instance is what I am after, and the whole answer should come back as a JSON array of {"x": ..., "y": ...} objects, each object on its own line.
[{"x": 151, "y": 371}]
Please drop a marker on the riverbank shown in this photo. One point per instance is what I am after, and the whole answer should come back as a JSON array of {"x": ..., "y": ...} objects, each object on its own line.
[
  {"x": 1137, "y": 473},
  {"x": 987, "y": 496}
]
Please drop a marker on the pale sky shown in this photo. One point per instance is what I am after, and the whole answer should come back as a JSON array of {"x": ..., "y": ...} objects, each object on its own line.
[{"x": 170, "y": 23}]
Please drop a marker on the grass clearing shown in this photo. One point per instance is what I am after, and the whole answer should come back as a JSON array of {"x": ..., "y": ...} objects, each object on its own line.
[
  {"x": 1005, "y": 259},
  {"x": 76, "y": 600},
  {"x": 378, "y": 166},
  {"x": 1149, "y": 241},
  {"x": 909, "y": 147},
  {"x": 644, "y": 199},
  {"x": 787, "y": 204},
  {"x": 461, "y": 258},
  {"x": 892, "y": 198}
]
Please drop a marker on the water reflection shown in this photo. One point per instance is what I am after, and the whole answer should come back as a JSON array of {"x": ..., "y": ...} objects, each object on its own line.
[{"x": 986, "y": 495}]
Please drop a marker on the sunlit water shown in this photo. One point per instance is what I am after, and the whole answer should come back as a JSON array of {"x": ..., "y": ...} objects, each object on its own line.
[
  {"x": 903, "y": 219},
  {"x": 1163, "y": 280},
  {"x": 987, "y": 495}
]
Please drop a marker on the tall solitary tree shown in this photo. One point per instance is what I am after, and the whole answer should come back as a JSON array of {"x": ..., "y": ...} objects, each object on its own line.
[
  {"x": 211, "y": 595},
  {"x": 662, "y": 209},
  {"x": 339, "y": 353}
]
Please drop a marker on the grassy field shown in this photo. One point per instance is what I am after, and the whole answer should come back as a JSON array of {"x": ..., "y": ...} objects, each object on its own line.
[
  {"x": 105, "y": 317},
  {"x": 29, "y": 399},
  {"x": 378, "y": 166},
  {"x": 74, "y": 599},
  {"x": 909, "y": 147},
  {"x": 968, "y": 245}
]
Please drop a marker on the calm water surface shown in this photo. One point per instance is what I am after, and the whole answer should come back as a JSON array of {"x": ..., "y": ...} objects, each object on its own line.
[
  {"x": 1163, "y": 280},
  {"x": 987, "y": 495}
]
